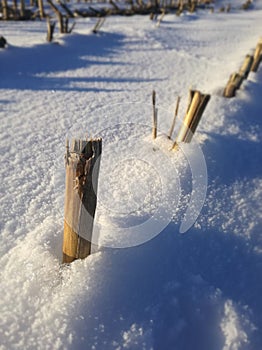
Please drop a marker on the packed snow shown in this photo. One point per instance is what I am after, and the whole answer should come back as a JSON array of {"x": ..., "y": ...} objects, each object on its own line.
[{"x": 146, "y": 285}]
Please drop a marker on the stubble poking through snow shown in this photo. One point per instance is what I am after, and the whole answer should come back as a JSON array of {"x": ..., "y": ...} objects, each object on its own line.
[{"x": 200, "y": 290}]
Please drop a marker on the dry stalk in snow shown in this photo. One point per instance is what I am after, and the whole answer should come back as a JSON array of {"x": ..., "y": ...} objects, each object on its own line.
[
  {"x": 82, "y": 169},
  {"x": 154, "y": 131},
  {"x": 195, "y": 110}
]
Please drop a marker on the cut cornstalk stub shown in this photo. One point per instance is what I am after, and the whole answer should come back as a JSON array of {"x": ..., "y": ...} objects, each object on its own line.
[
  {"x": 257, "y": 57},
  {"x": 98, "y": 25},
  {"x": 233, "y": 85},
  {"x": 50, "y": 29},
  {"x": 154, "y": 130},
  {"x": 192, "y": 118},
  {"x": 82, "y": 168},
  {"x": 160, "y": 19},
  {"x": 155, "y": 124},
  {"x": 246, "y": 66},
  {"x": 247, "y": 5},
  {"x": 174, "y": 118},
  {"x": 41, "y": 9},
  {"x": 4, "y": 10}
]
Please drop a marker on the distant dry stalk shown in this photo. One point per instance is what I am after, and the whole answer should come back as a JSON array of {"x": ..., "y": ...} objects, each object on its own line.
[
  {"x": 257, "y": 57},
  {"x": 114, "y": 5},
  {"x": 50, "y": 30},
  {"x": 174, "y": 118},
  {"x": 15, "y": 8},
  {"x": 246, "y": 5},
  {"x": 228, "y": 8},
  {"x": 22, "y": 8},
  {"x": 160, "y": 19},
  {"x": 192, "y": 6},
  {"x": 41, "y": 9},
  {"x": 180, "y": 8},
  {"x": 4, "y": 9},
  {"x": 59, "y": 16},
  {"x": 98, "y": 25},
  {"x": 69, "y": 13},
  {"x": 154, "y": 133}
]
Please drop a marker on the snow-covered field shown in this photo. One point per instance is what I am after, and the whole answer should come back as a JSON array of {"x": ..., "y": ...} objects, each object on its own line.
[{"x": 198, "y": 290}]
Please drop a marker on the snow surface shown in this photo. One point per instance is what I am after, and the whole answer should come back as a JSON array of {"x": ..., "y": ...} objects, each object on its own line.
[{"x": 198, "y": 290}]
